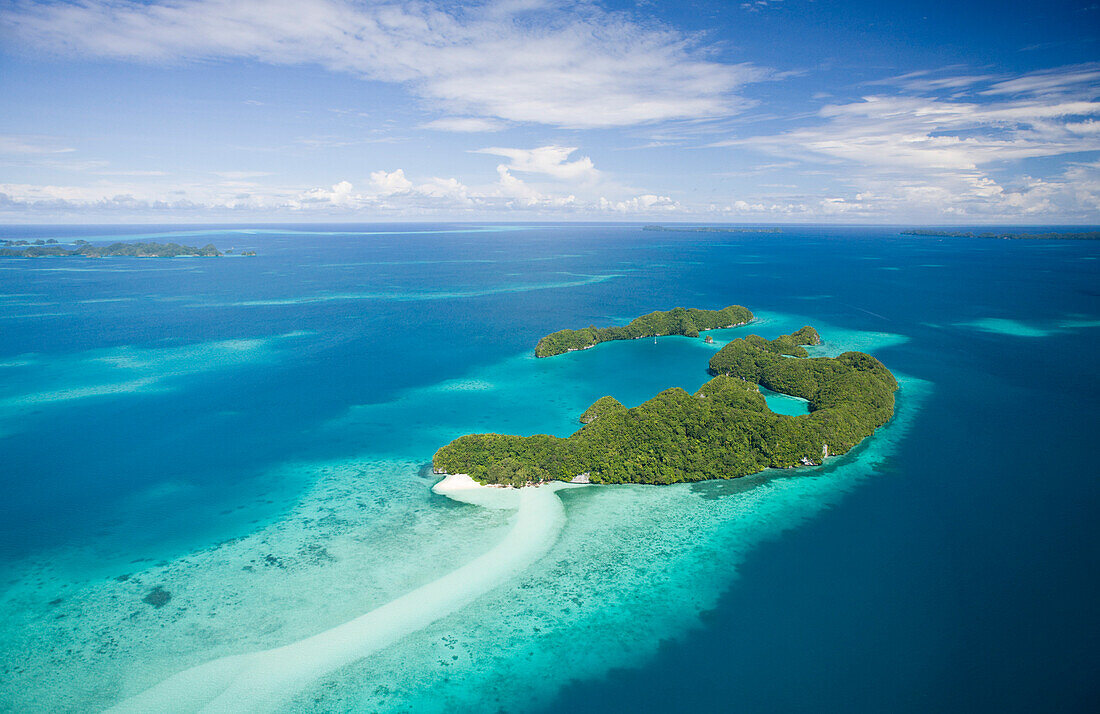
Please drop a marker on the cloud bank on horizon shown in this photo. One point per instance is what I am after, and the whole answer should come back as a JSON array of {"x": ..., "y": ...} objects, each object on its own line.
[{"x": 514, "y": 109}]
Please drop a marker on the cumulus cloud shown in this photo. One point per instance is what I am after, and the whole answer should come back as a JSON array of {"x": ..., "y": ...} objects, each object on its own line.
[
  {"x": 390, "y": 183},
  {"x": 962, "y": 198},
  {"x": 447, "y": 189},
  {"x": 574, "y": 65},
  {"x": 384, "y": 193},
  {"x": 515, "y": 188},
  {"x": 644, "y": 204},
  {"x": 517, "y": 192},
  {"x": 549, "y": 160},
  {"x": 339, "y": 195}
]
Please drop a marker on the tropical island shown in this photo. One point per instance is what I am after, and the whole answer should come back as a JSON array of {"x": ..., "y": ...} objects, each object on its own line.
[
  {"x": 52, "y": 249},
  {"x": 709, "y": 229},
  {"x": 1085, "y": 235},
  {"x": 677, "y": 321},
  {"x": 723, "y": 431}
]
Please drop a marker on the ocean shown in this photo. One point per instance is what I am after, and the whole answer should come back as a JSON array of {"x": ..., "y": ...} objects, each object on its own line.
[{"x": 202, "y": 458}]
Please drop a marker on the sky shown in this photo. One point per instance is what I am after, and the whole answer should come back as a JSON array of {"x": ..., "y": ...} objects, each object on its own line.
[{"x": 769, "y": 111}]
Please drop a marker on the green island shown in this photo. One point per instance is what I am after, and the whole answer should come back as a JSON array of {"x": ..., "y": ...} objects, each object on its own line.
[
  {"x": 52, "y": 249},
  {"x": 1084, "y": 235},
  {"x": 677, "y": 321},
  {"x": 710, "y": 229},
  {"x": 723, "y": 431}
]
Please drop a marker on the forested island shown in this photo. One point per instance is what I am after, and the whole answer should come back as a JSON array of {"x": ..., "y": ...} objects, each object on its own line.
[
  {"x": 52, "y": 249},
  {"x": 1085, "y": 235},
  {"x": 723, "y": 431},
  {"x": 710, "y": 229},
  {"x": 688, "y": 322}
]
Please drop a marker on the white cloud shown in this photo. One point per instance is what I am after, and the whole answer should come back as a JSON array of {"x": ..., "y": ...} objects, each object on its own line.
[
  {"x": 53, "y": 200},
  {"x": 945, "y": 197},
  {"x": 512, "y": 187},
  {"x": 1086, "y": 127},
  {"x": 386, "y": 191},
  {"x": 575, "y": 65},
  {"x": 1050, "y": 81},
  {"x": 929, "y": 132},
  {"x": 390, "y": 183},
  {"x": 548, "y": 160},
  {"x": 644, "y": 204},
  {"x": 758, "y": 5},
  {"x": 929, "y": 156},
  {"x": 440, "y": 188},
  {"x": 339, "y": 195}
]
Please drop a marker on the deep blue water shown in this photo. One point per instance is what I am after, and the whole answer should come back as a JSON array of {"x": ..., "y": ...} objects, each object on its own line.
[{"x": 960, "y": 579}]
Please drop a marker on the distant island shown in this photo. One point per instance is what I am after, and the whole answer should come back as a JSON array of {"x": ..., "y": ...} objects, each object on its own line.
[
  {"x": 678, "y": 321},
  {"x": 723, "y": 431},
  {"x": 1086, "y": 235},
  {"x": 52, "y": 249},
  {"x": 710, "y": 229}
]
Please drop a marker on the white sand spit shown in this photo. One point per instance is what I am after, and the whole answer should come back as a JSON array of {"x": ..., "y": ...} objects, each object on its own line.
[{"x": 262, "y": 680}]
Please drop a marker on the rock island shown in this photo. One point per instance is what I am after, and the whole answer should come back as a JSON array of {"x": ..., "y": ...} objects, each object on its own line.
[
  {"x": 722, "y": 431},
  {"x": 51, "y": 249}
]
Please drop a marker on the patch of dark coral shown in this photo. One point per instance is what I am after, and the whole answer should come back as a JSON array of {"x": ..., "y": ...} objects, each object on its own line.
[{"x": 158, "y": 597}]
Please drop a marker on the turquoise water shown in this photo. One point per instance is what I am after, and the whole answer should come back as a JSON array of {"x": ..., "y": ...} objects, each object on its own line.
[
  {"x": 784, "y": 403},
  {"x": 370, "y": 530},
  {"x": 250, "y": 436}
]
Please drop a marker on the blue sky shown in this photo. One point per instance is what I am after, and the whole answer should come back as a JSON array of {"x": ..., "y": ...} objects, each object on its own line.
[{"x": 511, "y": 110}]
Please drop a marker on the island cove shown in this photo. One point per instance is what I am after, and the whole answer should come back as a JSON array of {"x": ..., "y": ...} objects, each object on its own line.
[{"x": 724, "y": 430}]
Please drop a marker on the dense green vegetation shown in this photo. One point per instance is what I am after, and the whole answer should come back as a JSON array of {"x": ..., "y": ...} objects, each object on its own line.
[
  {"x": 724, "y": 430},
  {"x": 1085, "y": 235},
  {"x": 10, "y": 243},
  {"x": 790, "y": 345},
  {"x": 710, "y": 229},
  {"x": 677, "y": 321},
  {"x": 41, "y": 249},
  {"x": 603, "y": 405}
]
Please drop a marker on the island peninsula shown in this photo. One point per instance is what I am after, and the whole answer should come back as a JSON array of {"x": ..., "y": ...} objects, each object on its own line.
[
  {"x": 677, "y": 321},
  {"x": 723, "y": 431},
  {"x": 1052, "y": 235}
]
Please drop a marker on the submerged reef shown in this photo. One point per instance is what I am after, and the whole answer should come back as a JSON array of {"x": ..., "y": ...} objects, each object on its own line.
[
  {"x": 677, "y": 321},
  {"x": 724, "y": 430}
]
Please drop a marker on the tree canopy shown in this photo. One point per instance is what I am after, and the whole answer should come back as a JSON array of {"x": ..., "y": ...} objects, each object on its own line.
[
  {"x": 677, "y": 321},
  {"x": 114, "y": 250},
  {"x": 724, "y": 430}
]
